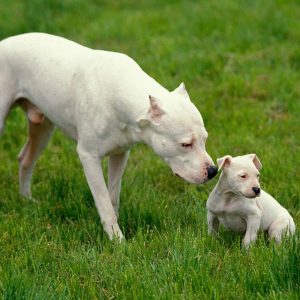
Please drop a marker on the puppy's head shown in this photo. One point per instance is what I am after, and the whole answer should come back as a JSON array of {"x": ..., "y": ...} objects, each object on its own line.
[
  {"x": 242, "y": 174},
  {"x": 177, "y": 134}
]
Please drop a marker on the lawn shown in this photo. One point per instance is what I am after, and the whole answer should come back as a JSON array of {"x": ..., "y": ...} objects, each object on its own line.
[{"x": 240, "y": 61}]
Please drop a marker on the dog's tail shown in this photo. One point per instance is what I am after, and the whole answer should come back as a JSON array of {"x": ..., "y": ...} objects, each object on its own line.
[
  {"x": 7, "y": 89},
  {"x": 5, "y": 105}
]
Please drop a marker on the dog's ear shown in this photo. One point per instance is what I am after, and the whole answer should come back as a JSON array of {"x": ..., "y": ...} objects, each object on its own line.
[
  {"x": 154, "y": 115},
  {"x": 224, "y": 161},
  {"x": 255, "y": 160},
  {"x": 181, "y": 90},
  {"x": 155, "y": 111}
]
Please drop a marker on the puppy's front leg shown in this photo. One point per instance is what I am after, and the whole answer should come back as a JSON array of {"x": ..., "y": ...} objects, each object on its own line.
[
  {"x": 253, "y": 224},
  {"x": 212, "y": 223},
  {"x": 116, "y": 167},
  {"x": 94, "y": 175}
]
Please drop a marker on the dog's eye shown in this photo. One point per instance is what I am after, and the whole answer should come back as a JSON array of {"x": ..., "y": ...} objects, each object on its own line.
[
  {"x": 187, "y": 145},
  {"x": 243, "y": 176}
]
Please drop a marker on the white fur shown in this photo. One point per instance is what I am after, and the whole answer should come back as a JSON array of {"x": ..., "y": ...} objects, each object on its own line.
[
  {"x": 105, "y": 102},
  {"x": 234, "y": 204}
]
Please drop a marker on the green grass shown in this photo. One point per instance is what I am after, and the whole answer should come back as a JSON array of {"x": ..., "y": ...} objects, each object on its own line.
[{"x": 240, "y": 61}]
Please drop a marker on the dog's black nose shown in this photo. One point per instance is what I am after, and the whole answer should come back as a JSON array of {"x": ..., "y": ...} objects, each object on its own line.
[
  {"x": 212, "y": 172},
  {"x": 256, "y": 190}
]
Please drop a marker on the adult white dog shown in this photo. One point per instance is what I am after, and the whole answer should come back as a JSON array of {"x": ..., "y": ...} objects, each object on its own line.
[
  {"x": 105, "y": 102},
  {"x": 239, "y": 204}
]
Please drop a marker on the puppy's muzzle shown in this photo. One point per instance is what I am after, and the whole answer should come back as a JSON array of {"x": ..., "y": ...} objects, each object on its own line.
[
  {"x": 256, "y": 190},
  {"x": 212, "y": 172}
]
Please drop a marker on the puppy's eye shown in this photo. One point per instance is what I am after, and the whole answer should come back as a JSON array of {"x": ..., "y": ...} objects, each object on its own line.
[
  {"x": 243, "y": 176},
  {"x": 187, "y": 145},
  {"x": 257, "y": 175}
]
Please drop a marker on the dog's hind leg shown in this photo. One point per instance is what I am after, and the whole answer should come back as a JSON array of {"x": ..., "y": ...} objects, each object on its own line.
[
  {"x": 281, "y": 226},
  {"x": 39, "y": 135},
  {"x": 116, "y": 166}
]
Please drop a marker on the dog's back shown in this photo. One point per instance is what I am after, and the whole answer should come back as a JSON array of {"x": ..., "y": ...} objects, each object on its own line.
[{"x": 53, "y": 72}]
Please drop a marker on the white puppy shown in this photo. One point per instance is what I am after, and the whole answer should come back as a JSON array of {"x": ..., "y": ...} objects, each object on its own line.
[
  {"x": 239, "y": 204},
  {"x": 106, "y": 103}
]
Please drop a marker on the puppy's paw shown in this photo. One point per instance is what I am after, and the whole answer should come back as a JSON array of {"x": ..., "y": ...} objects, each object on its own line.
[{"x": 246, "y": 245}]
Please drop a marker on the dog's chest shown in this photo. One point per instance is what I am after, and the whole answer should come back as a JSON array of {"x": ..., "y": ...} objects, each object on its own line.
[
  {"x": 119, "y": 142},
  {"x": 230, "y": 213},
  {"x": 233, "y": 222},
  {"x": 226, "y": 206}
]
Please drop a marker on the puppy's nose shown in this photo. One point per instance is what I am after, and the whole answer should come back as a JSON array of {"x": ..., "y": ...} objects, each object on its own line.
[
  {"x": 256, "y": 190},
  {"x": 212, "y": 172}
]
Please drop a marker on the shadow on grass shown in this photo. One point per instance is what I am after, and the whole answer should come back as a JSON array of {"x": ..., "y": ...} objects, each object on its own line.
[
  {"x": 232, "y": 240},
  {"x": 134, "y": 219}
]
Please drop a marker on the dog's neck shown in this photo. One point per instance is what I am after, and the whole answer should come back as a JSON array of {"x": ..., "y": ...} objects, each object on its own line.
[
  {"x": 141, "y": 103},
  {"x": 222, "y": 189},
  {"x": 135, "y": 134}
]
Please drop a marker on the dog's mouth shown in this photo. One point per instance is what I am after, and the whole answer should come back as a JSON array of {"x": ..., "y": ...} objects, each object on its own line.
[
  {"x": 191, "y": 180},
  {"x": 250, "y": 196},
  {"x": 178, "y": 176}
]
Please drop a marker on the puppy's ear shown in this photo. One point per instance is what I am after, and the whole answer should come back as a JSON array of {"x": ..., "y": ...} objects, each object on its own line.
[
  {"x": 224, "y": 161},
  {"x": 255, "y": 160},
  {"x": 154, "y": 114},
  {"x": 181, "y": 90}
]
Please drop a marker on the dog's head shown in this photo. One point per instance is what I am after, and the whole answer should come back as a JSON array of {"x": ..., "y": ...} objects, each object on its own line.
[
  {"x": 177, "y": 134},
  {"x": 242, "y": 174}
]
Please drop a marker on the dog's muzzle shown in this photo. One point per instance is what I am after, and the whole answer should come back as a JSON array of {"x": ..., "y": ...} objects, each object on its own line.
[
  {"x": 256, "y": 190},
  {"x": 212, "y": 171}
]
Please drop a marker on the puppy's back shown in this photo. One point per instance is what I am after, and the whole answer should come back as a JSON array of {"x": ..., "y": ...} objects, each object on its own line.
[{"x": 271, "y": 210}]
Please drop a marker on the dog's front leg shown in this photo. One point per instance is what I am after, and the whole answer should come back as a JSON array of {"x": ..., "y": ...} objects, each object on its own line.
[
  {"x": 116, "y": 167},
  {"x": 212, "y": 223},
  {"x": 253, "y": 224},
  {"x": 94, "y": 175}
]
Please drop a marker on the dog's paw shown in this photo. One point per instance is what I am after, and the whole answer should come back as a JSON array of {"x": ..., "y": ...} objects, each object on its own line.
[
  {"x": 246, "y": 245},
  {"x": 29, "y": 198},
  {"x": 114, "y": 232},
  {"x": 34, "y": 200},
  {"x": 212, "y": 232}
]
